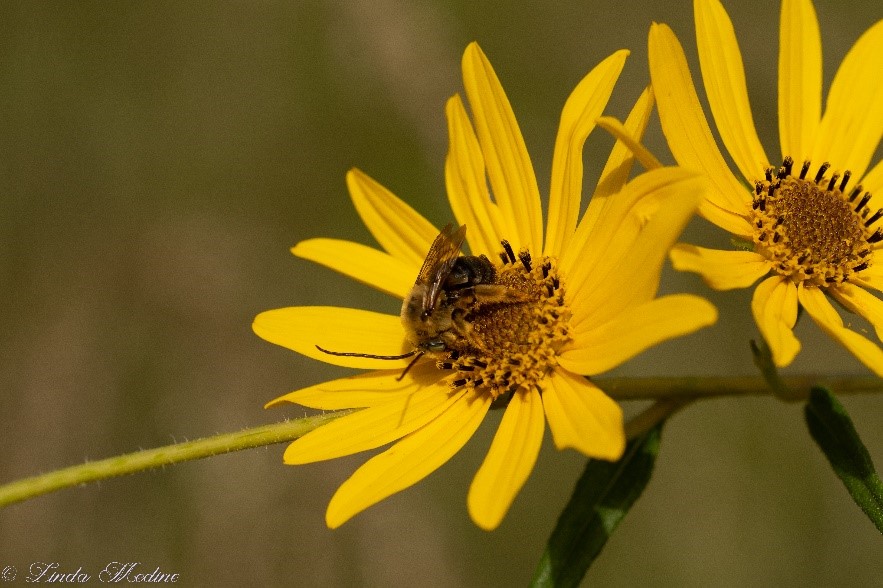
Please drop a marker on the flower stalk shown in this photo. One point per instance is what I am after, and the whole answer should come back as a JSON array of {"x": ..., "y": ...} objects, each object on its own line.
[
  {"x": 671, "y": 393},
  {"x": 130, "y": 463}
]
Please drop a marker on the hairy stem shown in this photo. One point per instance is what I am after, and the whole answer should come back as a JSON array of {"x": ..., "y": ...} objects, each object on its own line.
[
  {"x": 130, "y": 463},
  {"x": 671, "y": 394}
]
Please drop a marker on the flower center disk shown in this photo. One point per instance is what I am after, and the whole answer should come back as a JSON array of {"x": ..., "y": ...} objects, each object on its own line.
[
  {"x": 813, "y": 230},
  {"x": 512, "y": 344}
]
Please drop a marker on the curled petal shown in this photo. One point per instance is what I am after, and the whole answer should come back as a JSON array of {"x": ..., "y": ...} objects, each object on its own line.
[
  {"x": 616, "y": 172},
  {"x": 509, "y": 461},
  {"x": 622, "y": 134},
  {"x": 619, "y": 163},
  {"x": 721, "y": 270},
  {"x": 774, "y": 306}
]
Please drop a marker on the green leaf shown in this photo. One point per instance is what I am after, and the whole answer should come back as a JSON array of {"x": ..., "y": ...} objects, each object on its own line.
[
  {"x": 602, "y": 497},
  {"x": 832, "y": 429}
]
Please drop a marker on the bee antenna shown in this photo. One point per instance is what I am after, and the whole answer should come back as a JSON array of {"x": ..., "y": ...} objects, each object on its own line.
[
  {"x": 370, "y": 356},
  {"x": 410, "y": 365}
]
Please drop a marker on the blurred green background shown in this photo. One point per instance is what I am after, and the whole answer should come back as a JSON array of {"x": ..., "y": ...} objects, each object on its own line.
[{"x": 158, "y": 159}]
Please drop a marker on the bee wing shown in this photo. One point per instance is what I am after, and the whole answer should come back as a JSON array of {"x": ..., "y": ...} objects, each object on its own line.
[{"x": 438, "y": 263}]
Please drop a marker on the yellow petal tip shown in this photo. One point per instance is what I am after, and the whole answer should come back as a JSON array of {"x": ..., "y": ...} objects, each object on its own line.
[
  {"x": 483, "y": 519},
  {"x": 276, "y": 402}
]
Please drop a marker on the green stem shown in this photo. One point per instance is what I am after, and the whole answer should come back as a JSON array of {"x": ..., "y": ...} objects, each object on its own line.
[
  {"x": 712, "y": 387},
  {"x": 130, "y": 463},
  {"x": 671, "y": 394},
  {"x": 658, "y": 412}
]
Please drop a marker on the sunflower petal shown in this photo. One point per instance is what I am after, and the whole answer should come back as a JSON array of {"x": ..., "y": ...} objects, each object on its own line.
[
  {"x": 624, "y": 216},
  {"x": 303, "y": 328},
  {"x": 721, "y": 270},
  {"x": 363, "y": 390},
  {"x": 399, "y": 229},
  {"x": 509, "y": 461},
  {"x": 800, "y": 78},
  {"x": 852, "y": 125},
  {"x": 615, "y": 174},
  {"x": 410, "y": 460},
  {"x": 873, "y": 180},
  {"x": 364, "y": 264},
  {"x": 624, "y": 262},
  {"x": 595, "y": 350},
  {"x": 619, "y": 164},
  {"x": 581, "y": 416},
  {"x": 871, "y": 277},
  {"x": 684, "y": 123},
  {"x": 735, "y": 224},
  {"x": 375, "y": 426},
  {"x": 862, "y": 303},
  {"x": 824, "y": 315},
  {"x": 724, "y": 77},
  {"x": 613, "y": 126},
  {"x": 583, "y": 107},
  {"x": 509, "y": 168},
  {"x": 774, "y": 306},
  {"x": 467, "y": 184}
]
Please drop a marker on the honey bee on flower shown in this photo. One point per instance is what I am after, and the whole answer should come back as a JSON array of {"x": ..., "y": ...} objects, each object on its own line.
[{"x": 519, "y": 321}]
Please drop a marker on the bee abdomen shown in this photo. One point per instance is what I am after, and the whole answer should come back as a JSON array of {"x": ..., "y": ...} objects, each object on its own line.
[{"x": 470, "y": 270}]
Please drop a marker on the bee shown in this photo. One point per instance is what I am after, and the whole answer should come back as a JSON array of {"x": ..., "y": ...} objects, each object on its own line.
[{"x": 435, "y": 313}]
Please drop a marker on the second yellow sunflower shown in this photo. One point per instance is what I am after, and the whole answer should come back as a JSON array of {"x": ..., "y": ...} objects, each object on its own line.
[{"x": 812, "y": 222}]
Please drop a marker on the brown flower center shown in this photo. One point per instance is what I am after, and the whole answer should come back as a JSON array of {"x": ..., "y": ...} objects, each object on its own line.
[
  {"x": 504, "y": 346},
  {"x": 813, "y": 230}
]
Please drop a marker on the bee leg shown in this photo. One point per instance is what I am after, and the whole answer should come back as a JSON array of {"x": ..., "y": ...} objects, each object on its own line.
[
  {"x": 461, "y": 325},
  {"x": 498, "y": 294},
  {"x": 462, "y": 330}
]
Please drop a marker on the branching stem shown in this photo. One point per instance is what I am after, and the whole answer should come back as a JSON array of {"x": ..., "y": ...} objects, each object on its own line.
[{"x": 670, "y": 394}]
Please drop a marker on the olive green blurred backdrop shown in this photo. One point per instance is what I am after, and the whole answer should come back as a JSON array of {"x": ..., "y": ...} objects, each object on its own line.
[{"x": 157, "y": 161}]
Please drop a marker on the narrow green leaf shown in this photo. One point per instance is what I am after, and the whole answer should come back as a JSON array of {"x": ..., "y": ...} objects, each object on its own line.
[
  {"x": 832, "y": 429},
  {"x": 602, "y": 497}
]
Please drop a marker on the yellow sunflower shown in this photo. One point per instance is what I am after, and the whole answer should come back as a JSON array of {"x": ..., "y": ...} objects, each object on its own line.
[
  {"x": 809, "y": 220},
  {"x": 578, "y": 302}
]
